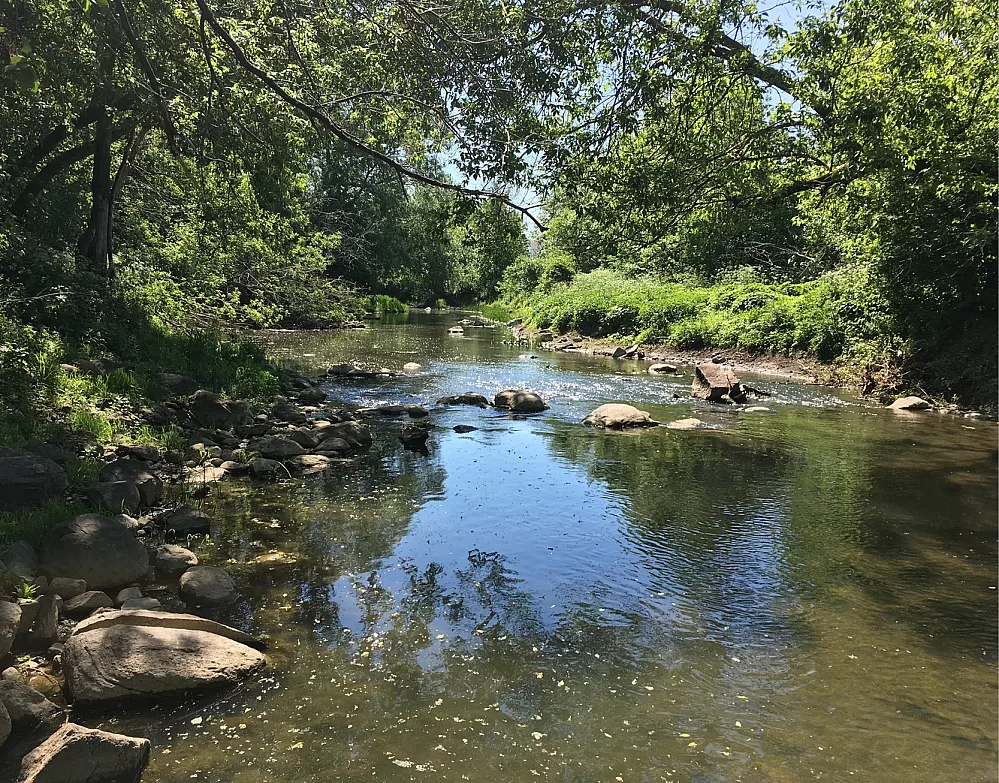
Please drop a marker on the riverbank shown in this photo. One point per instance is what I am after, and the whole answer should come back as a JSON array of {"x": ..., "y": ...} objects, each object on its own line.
[{"x": 831, "y": 330}]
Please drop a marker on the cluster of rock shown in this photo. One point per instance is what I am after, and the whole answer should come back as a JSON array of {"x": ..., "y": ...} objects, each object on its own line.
[
  {"x": 515, "y": 400},
  {"x": 106, "y": 640}
]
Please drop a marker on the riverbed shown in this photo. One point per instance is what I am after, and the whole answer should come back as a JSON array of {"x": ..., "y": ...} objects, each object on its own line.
[{"x": 802, "y": 593}]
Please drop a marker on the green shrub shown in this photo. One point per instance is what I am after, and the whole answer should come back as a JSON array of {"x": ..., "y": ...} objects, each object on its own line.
[{"x": 382, "y": 303}]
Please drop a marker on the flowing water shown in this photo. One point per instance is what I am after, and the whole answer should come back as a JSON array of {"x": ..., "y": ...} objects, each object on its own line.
[{"x": 807, "y": 593}]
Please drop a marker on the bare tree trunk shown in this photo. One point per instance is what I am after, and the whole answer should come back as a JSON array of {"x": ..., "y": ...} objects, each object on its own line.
[{"x": 95, "y": 245}]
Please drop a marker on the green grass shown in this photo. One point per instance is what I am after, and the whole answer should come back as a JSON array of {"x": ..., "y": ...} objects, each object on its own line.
[
  {"x": 382, "y": 303},
  {"x": 824, "y": 317},
  {"x": 500, "y": 311},
  {"x": 32, "y": 524}
]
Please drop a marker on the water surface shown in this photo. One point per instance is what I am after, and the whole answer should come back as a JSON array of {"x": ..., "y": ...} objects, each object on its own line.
[{"x": 803, "y": 594}]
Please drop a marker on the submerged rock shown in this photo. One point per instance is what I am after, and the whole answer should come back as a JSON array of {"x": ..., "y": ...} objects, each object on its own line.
[
  {"x": 910, "y": 404},
  {"x": 28, "y": 480},
  {"x": 468, "y": 398},
  {"x": 617, "y": 416},
  {"x": 716, "y": 383},
  {"x": 662, "y": 369},
  {"x": 75, "y": 754},
  {"x": 414, "y": 437},
  {"x": 463, "y": 428},
  {"x": 136, "y": 654},
  {"x": 520, "y": 400},
  {"x": 186, "y": 519},
  {"x": 685, "y": 424},
  {"x": 99, "y": 550}
]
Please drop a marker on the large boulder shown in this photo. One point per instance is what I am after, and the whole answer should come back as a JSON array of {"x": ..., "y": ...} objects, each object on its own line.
[
  {"x": 414, "y": 437},
  {"x": 520, "y": 400},
  {"x": 150, "y": 485},
  {"x": 276, "y": 447},
  {"x": 468, "y": 398},
  {"x": 28, "y": 480},
  {"x": 10, "y": 618},
  {"x": 27, "y": 707},
  {"x": 208, "y": 410},
  {"x": 616, "y": 416},
  {"x": 266, "y": 469},
  {"x": 717, "y": 383},
  {"x": 910, "y": 404},
  {"x": 208, "y": 586},
  {"x": 76, "y": 754},
  {"x": 139, "y": 654},
  {"x": 312, "y": 395},
  {"x": 99, "y": 550}
]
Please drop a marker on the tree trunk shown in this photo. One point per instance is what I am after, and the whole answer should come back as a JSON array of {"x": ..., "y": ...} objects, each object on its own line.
[{"x": 95, "y": 243}]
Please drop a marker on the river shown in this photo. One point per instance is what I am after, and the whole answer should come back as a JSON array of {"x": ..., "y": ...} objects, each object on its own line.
[{"x": 807, "y": 593}]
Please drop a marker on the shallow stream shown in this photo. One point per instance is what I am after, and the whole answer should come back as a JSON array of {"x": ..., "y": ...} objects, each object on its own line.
[{"x": 807, "y": 593}]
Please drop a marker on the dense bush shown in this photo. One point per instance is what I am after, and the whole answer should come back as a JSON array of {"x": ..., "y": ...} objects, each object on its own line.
[{"x": 826, "y": 317}]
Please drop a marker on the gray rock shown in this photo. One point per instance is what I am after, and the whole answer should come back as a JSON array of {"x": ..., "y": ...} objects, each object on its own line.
[
  {"x": 520, "y": 400},
  {"x": 28, "y": 480},
  {"x": 468, "y": 398},
  {"x": 114, "y": 495},
  {"x": 186, "y": 519},
  {"x": 253, "y": 430},
  {"x": 172, "y": 560},
  {"x": 276, "y": 447},
  {"x": 4, "y": 725},
  {"x": 45, "y": 628},
  {"x": 75, "y": 754},
  {"x": 662, "y": 369},
  {"x": 463, "y": 428},
  {"x": 208, "y": 586},
  {"x": 96, "y": 549},
  {"x": 21, "y": 560},
  {"x": 143, "y": 453},
  {"x": 51, "y": 451},
  {"x": 176, "y": 384},
  {"x": 150, "y": 485},
  {"x": 26, "y": 706},
  {"x": 208, "y": 410},
  {"x": 910, "y": 404},
  {"x": 55, "y": 650},
  {"x": 146, "y": 602},
  {"x": 134, "y": 655},
  {"x": 312, "y": 395},
  {"x": 309, "y": 463},
  {"x": 354, "y": 433},
  {"x": 307, "y": 439},
  {"x": 10, "y": 619},
  {"x": 412, "y": 367},
  {"x": 414, "y": 437},
  {"x": 266, "y": 468},
  {"x": 616, "y": 416},
  {"x": 10, "y": 673},
  {"x": 235, "y": 468},
  {"x": 85, "y": 603},
  {"x": 127, "y": 593},
  {"x": 29, "y": 611},
  {"x": 717, "y": 383},
  {"x": 67, "y": 588}
]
